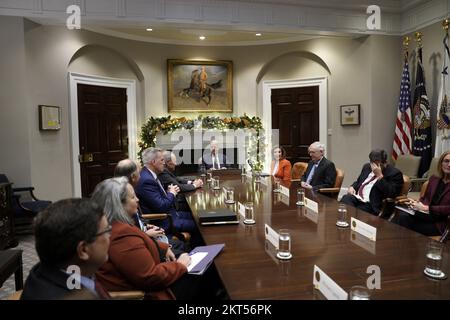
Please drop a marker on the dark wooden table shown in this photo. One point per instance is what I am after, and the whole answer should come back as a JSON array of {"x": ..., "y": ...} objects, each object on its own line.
[{"x": 250, "y": 270}]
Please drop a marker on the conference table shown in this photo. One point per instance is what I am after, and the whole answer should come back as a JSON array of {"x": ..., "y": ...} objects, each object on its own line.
[{"x": 249, "y": 268}]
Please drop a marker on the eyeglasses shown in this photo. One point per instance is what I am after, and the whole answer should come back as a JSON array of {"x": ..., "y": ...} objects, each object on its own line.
[
  {"x": 107, "y": 230},
  {"x": 446, "y": 162}
]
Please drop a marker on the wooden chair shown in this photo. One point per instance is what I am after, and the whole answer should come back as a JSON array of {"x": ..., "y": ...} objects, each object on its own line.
[
  {"x": 334, "y": 192},
  {"x": 298, "y": 169}
]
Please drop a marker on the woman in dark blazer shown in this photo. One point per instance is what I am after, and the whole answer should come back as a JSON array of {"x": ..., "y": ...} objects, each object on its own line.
[
  {"x": 136, "y": 261},
  {"x": 280, "y": 167},
  {"x": 434, "y": 205}
]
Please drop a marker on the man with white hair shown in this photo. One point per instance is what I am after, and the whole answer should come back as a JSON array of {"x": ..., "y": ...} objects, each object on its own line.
[
  {"x": 321, "y": 172},
  {"x": 154, "y": 198},
  {"x": 214, "y": 159}
]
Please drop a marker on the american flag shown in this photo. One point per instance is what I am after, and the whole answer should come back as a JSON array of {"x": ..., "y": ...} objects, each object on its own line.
[{"x": 403, "y": 126}]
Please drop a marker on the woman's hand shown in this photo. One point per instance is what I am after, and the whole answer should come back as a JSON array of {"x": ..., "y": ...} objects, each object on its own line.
[
  {"x": 154, "y": 231},
  {"x": 306, "y": 185},
  {"x": 419, "y": 206},
  {"x": 170, "y": 256},
  {"x": 184, "y": 259}
]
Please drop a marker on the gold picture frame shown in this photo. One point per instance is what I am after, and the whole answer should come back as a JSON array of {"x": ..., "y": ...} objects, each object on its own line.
[
  {"x": 49, "y": 118},
  {"x": 350, "y": 115},
  {"x": 199, "y": 85}
]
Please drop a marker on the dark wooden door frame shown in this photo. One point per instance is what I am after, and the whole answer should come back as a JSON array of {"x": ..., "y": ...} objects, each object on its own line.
[
  {"x": 266, "y": 90},
  {"x": 130, "y": 86}
]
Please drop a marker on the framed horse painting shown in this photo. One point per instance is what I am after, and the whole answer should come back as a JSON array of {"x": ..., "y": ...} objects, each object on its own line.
[{"x": 199, "y": 86}]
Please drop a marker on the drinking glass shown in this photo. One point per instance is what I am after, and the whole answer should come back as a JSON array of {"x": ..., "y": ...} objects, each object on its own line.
[
  {"x": 284, "y": 244},
  {"x": 276, "y": 187},
  {"x": 249, "y": 213},
  {"x": 300, "y": 197},
  {"x": 359, "y": 293},
  {"x": 229, "y": 196},
  {"x": 208, "y": 176},
  {"x": 342, "y": 216},
  {"x": 215, "y": 183},
  {"x": 434, "y": 260}
]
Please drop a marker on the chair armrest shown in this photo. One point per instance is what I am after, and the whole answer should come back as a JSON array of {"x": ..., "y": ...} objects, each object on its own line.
[
  {"x": 127, "y": 295},
  {"x": 23, "y": 189},
  {"x": 296, "y": 180},
  {"x": 155, "y": 216},
  {"x": 329, "y": 190}
]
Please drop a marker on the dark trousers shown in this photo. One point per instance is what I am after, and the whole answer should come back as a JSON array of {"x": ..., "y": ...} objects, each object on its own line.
[
  {"x": 355, "y": 202},
  {"x": 424, "y": 224},
  {"x": 207, "y": 286}
]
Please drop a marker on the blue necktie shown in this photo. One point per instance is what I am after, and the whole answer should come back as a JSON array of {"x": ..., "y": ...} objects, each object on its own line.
[{"x": 311, "y": 174}]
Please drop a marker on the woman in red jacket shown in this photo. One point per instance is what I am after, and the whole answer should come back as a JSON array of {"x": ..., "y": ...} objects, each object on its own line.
[
  {"x": 434, "y": 205},
  {"x": 280, "y": 167},
  {"x": 136, "y": 261}
]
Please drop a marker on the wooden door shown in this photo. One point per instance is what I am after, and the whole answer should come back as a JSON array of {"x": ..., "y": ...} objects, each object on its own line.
[
  {"x": 295, "y": 112},
  {"x": 102, "y": 123}
]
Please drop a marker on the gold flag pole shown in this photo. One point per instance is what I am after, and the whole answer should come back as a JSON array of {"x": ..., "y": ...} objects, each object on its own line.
[
  {"x": 405, "y": 46},
  {"x": 446, "y": 24},
  {"x": 418, "y": 36}
]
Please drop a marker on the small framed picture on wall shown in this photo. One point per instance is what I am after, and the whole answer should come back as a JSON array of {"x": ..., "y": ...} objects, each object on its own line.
[
  {"x": 350, "y": 115},
  {"x": 49, "y": 117}
]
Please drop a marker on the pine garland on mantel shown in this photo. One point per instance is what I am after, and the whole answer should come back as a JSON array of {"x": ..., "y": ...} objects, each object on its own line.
[{"x": 165, "y": 125}]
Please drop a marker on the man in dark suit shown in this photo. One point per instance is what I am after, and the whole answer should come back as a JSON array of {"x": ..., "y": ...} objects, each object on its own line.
[
  {"x": 214, "y": 159},
  {"x": 154, "y": 198},
  {"x": 72, "y": 242},
  {"x": 321, "y": 172},
  {"x": 377, "y": 181}
]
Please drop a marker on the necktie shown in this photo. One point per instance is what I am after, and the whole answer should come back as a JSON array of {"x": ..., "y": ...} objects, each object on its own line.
[
  {"x": 216, "y": 162},
  {"x": 311, "y": 174},
  {"x": 160, "y": 185},
  {"x": 360, "y": 190}
]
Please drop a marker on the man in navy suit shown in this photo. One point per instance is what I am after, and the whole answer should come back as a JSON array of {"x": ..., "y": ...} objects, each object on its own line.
[
  {"x": 377, "y": 181},
  {"x": 321, "y": 172},
  {"x": 154, "y": 198}
]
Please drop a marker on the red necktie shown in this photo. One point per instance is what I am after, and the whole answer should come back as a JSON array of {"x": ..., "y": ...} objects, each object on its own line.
[{"x": 360, "y": 190}]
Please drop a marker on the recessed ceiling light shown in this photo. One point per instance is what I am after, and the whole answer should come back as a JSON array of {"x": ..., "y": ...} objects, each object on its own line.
[
  {"x": 149, "y": 29},
  {"x": 258, "y": 34},
  {"x": 202, "y": 37}
]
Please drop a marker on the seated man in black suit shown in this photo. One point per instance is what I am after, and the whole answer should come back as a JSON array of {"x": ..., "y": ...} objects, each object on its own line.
[
  {"x": 214, "y": 159},
  {"x": 321, "y": 172},
  {"x": 377, "y": 181},
  {"x": 72, "y": 242}
]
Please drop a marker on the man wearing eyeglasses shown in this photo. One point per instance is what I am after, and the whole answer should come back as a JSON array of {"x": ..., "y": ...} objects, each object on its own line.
[{"x": 72, "y": 242}]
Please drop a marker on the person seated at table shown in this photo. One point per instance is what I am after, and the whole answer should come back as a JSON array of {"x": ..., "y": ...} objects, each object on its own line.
[
  {"x": 131, "y": 170},
  {"x": 214, "y": 159},
  {"x": 153, "y": 196},
  {"x": 136, "y": 261},
  {"x": 72, "y": 239},
  {"x": 434, "y": 204},
  {"x": 168, "y": 177},
  {"x": 378, "y": 180},
  {"x": 280, "y": 167},
  {"x": 321, "y": 172}
]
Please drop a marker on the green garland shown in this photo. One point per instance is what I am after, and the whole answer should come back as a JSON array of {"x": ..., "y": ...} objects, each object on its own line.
[{"x": 166, "y": 125}]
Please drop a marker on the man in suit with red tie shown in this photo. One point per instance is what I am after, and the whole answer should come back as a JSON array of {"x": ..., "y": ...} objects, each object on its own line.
[
  {"x": 377, "y": 181},
  {"x": 72, "y": 242}
]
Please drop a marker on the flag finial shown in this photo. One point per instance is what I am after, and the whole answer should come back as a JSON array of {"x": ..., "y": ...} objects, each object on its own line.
[
  {"x": 406, "y": 45},
  {"x": 418, "y": 36},
  {"x": 446, "y": 24}
]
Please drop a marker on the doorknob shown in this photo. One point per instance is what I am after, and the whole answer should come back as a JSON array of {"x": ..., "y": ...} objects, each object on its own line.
[{"x": 86, "y": 157}]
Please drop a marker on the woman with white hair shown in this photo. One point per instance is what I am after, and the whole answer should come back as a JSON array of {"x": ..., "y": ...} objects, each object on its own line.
[{"x": 136, "y": 261}]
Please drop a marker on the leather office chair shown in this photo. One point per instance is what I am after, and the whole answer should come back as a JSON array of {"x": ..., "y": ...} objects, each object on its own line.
[
  {"x": 334, "y": 192},
  {"x": 24, "y": 211},
  {"x": 387, "y": 210},
  {"x": 408, "y": 164},
  {"x": 298, "y": 169}
]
